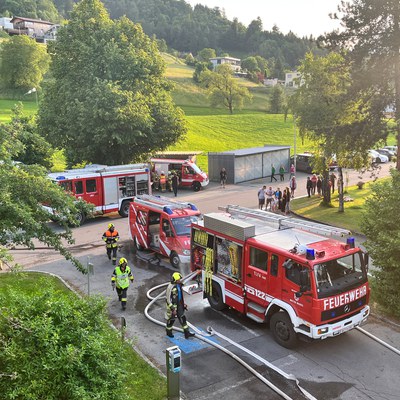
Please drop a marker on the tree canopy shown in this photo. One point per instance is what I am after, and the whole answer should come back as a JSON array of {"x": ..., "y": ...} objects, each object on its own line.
[
  {"x": 223, "y": 89},
  {"x": 107, "y": 101},
  {"x": 23, "y": 63},
  {"x": 371, "y": 33}
]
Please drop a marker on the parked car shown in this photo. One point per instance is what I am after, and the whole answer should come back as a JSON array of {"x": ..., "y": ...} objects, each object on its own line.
[
  {"x": 377, "y": 158},
  {"x": 389, "y": 154},
  {"x": 392, "y": 149}
]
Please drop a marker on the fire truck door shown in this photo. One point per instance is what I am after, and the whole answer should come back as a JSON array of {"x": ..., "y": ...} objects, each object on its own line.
[
  {"x": 110, "y": 191},
  {"x": 167, "y": 237},
  {"x": 188, "y": 175},
  {"x": 294, "y": 275},
  {"x": 255, "y": 276},
  {"x": 141, "y": 228},
  {"x": 92, "y": 192}
]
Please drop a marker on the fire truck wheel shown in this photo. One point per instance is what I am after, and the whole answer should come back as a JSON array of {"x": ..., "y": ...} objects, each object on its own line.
[
  {"x": 215, "y": 299},
  {"x": 283, "y": 331},
  {"x": 137, "y": 245},
  {"x": 80, "y": 218},
  {"x": 196, "y": 186},
  {"x": 174, "y": 259},
  {"x": 124, "y": 211}
]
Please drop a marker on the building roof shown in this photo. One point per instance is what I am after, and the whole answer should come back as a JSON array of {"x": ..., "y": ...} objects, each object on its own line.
[
  {"x": 225, "y": 58},
  {"x": 15, "y": 19},
  {"x": 253, "y": 150}
]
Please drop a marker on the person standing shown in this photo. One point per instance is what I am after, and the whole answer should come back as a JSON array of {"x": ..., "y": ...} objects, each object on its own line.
[
  {"x": 176, "y": 306},
  {"x": 292, "y": 186},
  {"x": 332, "y": 179},
  {"x": 314, "y": 180},
  {"x": 175, "y": 182},
  {"x": 309, "y": 186},
  {"x": 287, "y": 204},
  {"x": 282, "y": 172},
  {"x": 269, "y": 194},
  {"x": 120, "y": 280},
  {"x": 273, "y": 173},
  {"x": 223, "y": 176},
  {"x": 319, "y": 185},
  {"x": 111, "y": 237},
  {"x": 292, "y": 171},
  {"x": 285, "y": 196},
  {"x": 278, "y": 196},
  {"x": 163, "y": 181},
  {"x": 261, "y": 197}
]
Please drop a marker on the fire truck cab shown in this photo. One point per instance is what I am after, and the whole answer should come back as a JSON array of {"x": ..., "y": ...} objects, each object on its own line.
[
  {"x": 190, "y": 175},
  {"x": 108, "y": 188},
  {"x": 159, "y": 224},
  {"x": 286, "y": 272}
]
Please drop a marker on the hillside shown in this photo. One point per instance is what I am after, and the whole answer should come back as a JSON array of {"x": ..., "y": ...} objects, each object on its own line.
[{"x": 214, "y": 129}]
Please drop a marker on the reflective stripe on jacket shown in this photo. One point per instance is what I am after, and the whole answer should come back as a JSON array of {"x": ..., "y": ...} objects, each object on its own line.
[{"x": 111, "y": 238}]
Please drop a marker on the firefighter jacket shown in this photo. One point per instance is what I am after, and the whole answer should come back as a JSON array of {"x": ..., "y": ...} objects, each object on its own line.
[
  {"x": 175, "y": 301},
  {"x": 122, "y": 278},
  {"x": 111, "y": 238}
]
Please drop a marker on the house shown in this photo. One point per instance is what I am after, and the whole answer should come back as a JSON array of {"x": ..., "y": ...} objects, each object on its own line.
[
  {"x": 233, "y": 62},
  {"x": 51, "y": 34},
  {"x": 5, "y": 23},
  {"x": 270, "y": 81},
  {"x": 34, "y": 28},
  {"x": 292, "y": 79}
]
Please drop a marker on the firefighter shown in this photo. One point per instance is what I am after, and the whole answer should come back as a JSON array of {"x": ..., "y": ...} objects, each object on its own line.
[
  {"x": 111, "y": 237},
  {"x": 163, "y": 181},
  {"x": 176, "y": 306},
  {"x": 120, "y": 279}
]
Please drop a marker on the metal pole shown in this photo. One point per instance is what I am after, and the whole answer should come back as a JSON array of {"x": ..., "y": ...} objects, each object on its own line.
[
  {"x": 123, "y": 328},
  {"x": 294, "y": 142},
  {"x": 37, "y": 102},
  {"x": 89, "y": 272},
  {"x": 173, "y": 361}
]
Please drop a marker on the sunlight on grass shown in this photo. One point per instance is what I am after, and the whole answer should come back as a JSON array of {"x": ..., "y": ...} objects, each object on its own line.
[{"x": 30, "y": 108}]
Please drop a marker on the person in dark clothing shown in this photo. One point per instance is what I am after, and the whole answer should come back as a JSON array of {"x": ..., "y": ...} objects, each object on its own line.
[
  {"x": 319, "y": 186},
  {"x": 111, "y": 237},
  {"x": 176, "y": 306},
  {"x": 223, "y": 176},
  {"x": 309, "y": 186},
  {"x": 273, "y": 173},
  {"x": 175, "y": 183}
]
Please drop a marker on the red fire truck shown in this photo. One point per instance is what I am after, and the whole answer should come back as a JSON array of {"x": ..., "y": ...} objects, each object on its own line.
[
  {"x": 190, "y": 175},
  {"x": 163, "y": 226},
  {"x": 283, "y": 271},
  {"x": 109, "y": 188}
]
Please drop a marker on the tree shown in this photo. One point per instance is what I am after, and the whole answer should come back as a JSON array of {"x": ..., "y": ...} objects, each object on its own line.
[
  {"x": 39, "y": 9},
  {"x": 278, "y": 100},
  {"x": 205, "y": 55},
  {"x": 58, "y": 346},
  {"x": 108, "y": 101},
  {"x": 328, "y": 114},
  {"x": 35, "y": 150},
  {"x": 223, "y": 89},
  {"x": 250, "y": 64},
  {"x": 381, "y": 226},
  {"x": 23, "y": 190},
  {"x": 23, "y": 63},
  {"x": 371, "y": 33}
]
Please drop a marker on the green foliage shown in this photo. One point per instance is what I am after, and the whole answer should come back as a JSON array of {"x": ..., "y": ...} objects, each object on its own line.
[
  {"x": 57, "y": 346},
  {"x": 38, "y": 9},
  {"x": 204, "y": 55},
  {"x": 223, "y": 89},
  {"x": 23, "y": 63},
  {"x": 250, "y": 64},
  {"x": 381, "y": 225},
  {"x": 108, "y": 101},
  {"x": 278, "y": 100},
  {"x": 201, "y": 67}
]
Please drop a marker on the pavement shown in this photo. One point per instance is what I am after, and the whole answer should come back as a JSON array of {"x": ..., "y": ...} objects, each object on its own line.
[{"x": 206, "y": 373}]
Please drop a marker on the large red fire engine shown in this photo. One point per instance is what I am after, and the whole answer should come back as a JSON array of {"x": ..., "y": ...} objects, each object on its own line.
[
  {"x": 163, "y": 226},
  {"x": 108, "y": 188},
  {"x": 284, "y": 271}
]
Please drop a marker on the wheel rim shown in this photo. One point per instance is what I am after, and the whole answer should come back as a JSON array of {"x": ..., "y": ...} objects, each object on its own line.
[
  {"x": 282, "y": 331},
  {"x": 175, "y": 260}
]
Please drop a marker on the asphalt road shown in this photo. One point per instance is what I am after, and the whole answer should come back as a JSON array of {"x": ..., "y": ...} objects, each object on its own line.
[{"x": 350, "y": 366}]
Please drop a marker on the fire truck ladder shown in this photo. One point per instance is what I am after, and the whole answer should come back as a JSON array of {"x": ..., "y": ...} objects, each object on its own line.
[
  {"x": 163, "y": 203},
  {"x": 285, "y": 222}
]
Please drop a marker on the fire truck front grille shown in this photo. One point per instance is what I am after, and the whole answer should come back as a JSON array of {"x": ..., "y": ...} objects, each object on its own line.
[{"x": 345, "y": 310}]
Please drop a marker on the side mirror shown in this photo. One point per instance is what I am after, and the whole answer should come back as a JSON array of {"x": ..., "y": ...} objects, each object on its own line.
[
  {"x": 298, "y": 294},
  {"x": 288, "y": 264},
  {"x": 366, "y": 261}
]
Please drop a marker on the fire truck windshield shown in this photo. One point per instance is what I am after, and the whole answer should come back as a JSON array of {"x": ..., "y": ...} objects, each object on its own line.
[
  {"x": 182, "y": 224},
  {"x": 340, "y": 275}
]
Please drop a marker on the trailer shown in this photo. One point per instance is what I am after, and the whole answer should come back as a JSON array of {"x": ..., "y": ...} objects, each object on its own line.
[{"x": 285, "y": 272}]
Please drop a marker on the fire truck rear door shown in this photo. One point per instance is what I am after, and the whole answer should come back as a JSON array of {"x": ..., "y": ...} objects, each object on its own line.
[{"x": 110, "y": 192}]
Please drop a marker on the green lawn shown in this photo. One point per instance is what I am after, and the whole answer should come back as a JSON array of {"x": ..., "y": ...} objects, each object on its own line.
[
  {"x": 350, "y": 219},
  {"x": 30, "y": 108}
]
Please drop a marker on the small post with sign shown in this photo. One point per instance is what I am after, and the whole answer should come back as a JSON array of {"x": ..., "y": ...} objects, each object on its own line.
[
  {"x": 123, "y": 328},
  {"x": 173, "y": 357},
  {"x": 90, "y": 271}
]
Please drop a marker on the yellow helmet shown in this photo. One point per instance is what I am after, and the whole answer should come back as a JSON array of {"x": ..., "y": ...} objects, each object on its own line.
[
  {"x": 110, "y": 226},
  {"x": 176, "y": 276},
  {"x": 122, "y": 260}
]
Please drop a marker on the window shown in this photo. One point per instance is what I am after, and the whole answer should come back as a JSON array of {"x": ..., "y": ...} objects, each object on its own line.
[
  {"x": 166, "y": 227},
  {"x": 78, "y": 185},
  {"x": 258, "y": 258},
  {"x": 297, "y": 274},
  {"x": 141, "y": 217},
  {"x": 274, "y": 265},
  {"x": 66, "y": 185},
  {"x": 91, "y": 186}
]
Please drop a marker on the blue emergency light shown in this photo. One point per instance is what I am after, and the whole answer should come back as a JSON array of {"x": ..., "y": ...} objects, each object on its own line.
[
  {"x": 351, "y": 242},
  {"x": 168, "y": 210},
  {"x": 60, "y": 178},
  {"x": 310, "y": 254},
  {"x": 193, "y": 207}
]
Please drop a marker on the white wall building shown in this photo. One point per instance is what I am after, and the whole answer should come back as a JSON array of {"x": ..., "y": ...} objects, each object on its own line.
[
  {"x": 292, "y": 79},
  {"x": 233, "y": 62}
]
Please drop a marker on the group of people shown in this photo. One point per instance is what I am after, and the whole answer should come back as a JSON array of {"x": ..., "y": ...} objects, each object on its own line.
[
  {"x": 315, "y": 184},
  {"x": 281, "y": 173},
  {"x": 122, "y": 277},
  {"x": 274, "y": 200},
  {"x": 164, "y": 181}
]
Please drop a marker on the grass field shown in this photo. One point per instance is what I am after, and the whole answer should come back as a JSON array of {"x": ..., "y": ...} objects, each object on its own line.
[{"x": 6, "y": 106}]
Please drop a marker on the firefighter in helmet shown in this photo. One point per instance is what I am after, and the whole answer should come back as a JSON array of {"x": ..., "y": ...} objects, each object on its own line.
[
  {"x": 163, "y": 181},
  {"x": 120, "y": 279},
  {"x": 176, "y": 306},
  {"x": 111, "y": 237}
]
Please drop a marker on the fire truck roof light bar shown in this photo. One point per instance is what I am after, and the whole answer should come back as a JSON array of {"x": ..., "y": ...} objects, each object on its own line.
[
  {"x": 163, "y": 203},
  {"x": 285, "y": 222}
]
